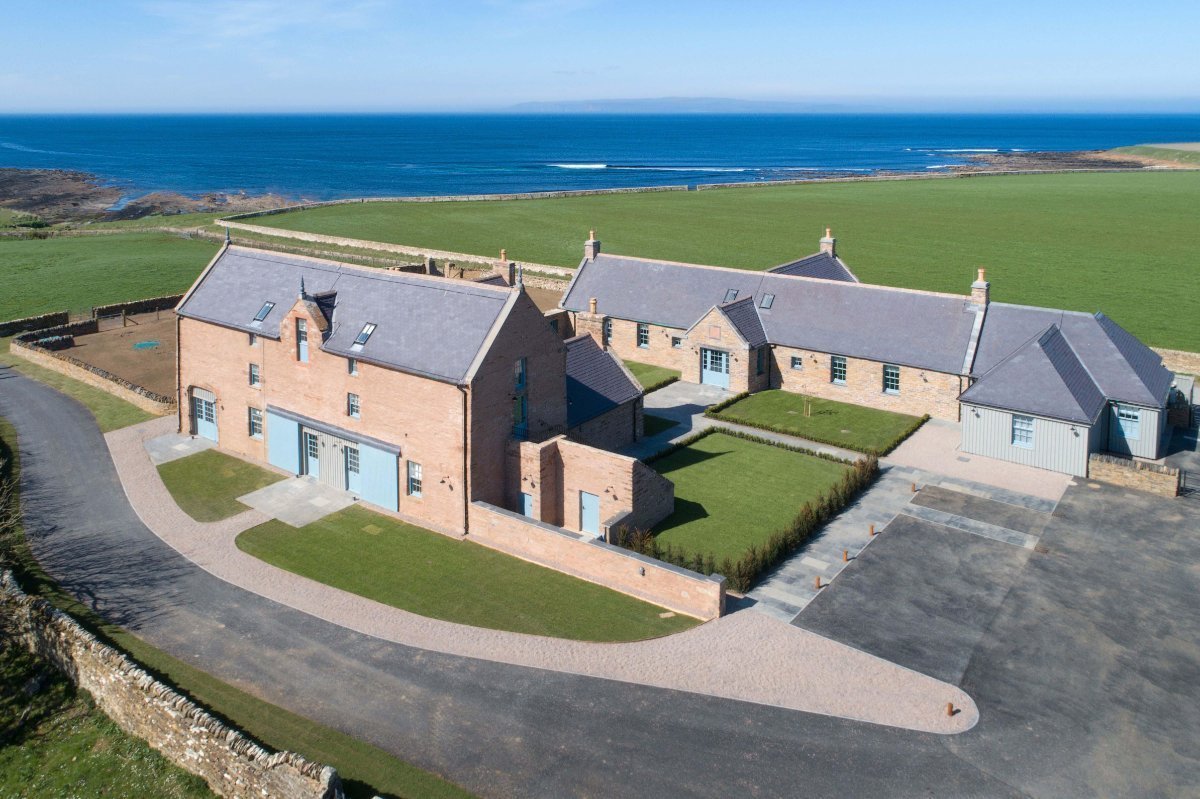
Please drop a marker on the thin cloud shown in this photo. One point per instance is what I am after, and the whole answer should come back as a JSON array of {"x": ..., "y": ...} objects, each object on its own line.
[{"x": 236, "y": 20}]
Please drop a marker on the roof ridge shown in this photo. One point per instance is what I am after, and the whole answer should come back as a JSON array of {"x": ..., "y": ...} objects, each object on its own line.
[{"x": 1044, "y": 308}]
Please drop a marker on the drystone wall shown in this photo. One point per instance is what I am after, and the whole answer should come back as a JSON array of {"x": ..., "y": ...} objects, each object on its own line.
[
  {"x": 1150, "y": 477},
  {"x": 231, "y": 764},
  {"x": 137, "y": 306},
  {"x": 14, "y": 326},
  {"x": 94, "y": 376}
]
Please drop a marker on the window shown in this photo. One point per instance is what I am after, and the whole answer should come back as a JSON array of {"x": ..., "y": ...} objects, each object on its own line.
[
  {"x": 255, "y": 377},
  {"x": 312, "y": 446},
  {"x": 352, "y": 407},
  {"x": 351, "y": 459},
  {"x": 643, "y": 335},
  {"x": 762, "y": 359},
  {"x": 837, "y": 369},
  {"x": 797, "y": 362},
  {"x": 414, "y": 479},
  {"x": 352, "y": 366},
  {"x": 606, "y": 332},
  {"x": 263, "y": 311},
  {"x": 1129, "y": 421},
  {"x": 520, "y": 416},
  {"x": 519, "y": 374},
  {"x": 1022, "y": 431},
  {"x": 253, "y": 339},
  {"x": 676, "y": 342},
  {"x": 301, "y": 340},
  {"x": 364, "y": 334},
  {"x": 891, "y": 379},
  {"x": 256, "y": 425},
  {"x": 767, "y": 301},
  {"x": 731, "y": 295},
  {"x": 554, "y": 325}
]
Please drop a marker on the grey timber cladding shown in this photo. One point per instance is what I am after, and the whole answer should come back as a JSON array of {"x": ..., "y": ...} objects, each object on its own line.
[
  {"x": 596, "y": 383},
  {"x": 919, "y": 329},
  {"x": 822, "y": 265},
  {"x": 413, "y": 313},
  {"x": 1043, "y": 377}
]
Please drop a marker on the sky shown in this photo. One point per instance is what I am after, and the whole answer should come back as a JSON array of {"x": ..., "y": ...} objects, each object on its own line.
[{"x": 431, "y": 55}]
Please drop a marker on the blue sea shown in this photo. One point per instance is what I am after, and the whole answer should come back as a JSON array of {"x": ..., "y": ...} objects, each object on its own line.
[{"x": 332, "y": 156}]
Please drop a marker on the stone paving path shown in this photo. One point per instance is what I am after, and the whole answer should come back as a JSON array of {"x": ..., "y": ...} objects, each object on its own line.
[{"x": 743, "y": 656}]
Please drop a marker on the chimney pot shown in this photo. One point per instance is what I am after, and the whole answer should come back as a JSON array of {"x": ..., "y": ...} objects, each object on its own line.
[
  {"x": 591, "y": 247},
  {"x": 503, "y": 254},
  {"x": 981, "y": 289},
  {"x": 829, "y": 243},
  {"x": 592, "y": 305}
]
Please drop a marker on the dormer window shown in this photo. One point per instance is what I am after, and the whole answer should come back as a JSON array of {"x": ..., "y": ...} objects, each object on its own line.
[
  {"x": 767, "y": 301},
  {"x": 364, "y": 334},
  {"x": 263, "y": 311},
  {"x": 731, "y": 295}
]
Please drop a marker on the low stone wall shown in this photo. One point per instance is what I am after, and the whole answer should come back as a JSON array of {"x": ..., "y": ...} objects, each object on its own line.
[
  {"x": 14, "y": 326},
  {"x": 94, "y": 376},
  {"x": 1180, "y": 361},
  {"x": 137, "y": 306},
  {"x": 1150, "y": 477},
  {"x": 231, "y": 764},
  {"x": 591, "y": 559}
]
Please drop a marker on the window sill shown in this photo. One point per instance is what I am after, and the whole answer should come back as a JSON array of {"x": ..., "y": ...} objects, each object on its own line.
[
  {"x": 838, "y": 383},
  {"x": 891, "y": 393}
]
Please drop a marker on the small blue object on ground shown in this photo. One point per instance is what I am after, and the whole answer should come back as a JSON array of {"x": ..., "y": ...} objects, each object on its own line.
[{"x": 146, "y": 345}]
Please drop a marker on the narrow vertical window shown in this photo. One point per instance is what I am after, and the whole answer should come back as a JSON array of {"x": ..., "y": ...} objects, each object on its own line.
[
  {"x": 762, "y": 359},
  {"x": 302, "y": 340},
  {"x": 414, "y": 479},
  {"x": 255, "y": 377},
  {"x": 606, "y": 332},
  {"x": 837, "y": 369},
  {"x": 253, "y": 338},
  {"x": 519, "y": 374},
  {"x": 352, "y": 366},
  {"x": 643, "y": 335},
  {"x": 352, "y": 407},
  {"x": 255, "y": 422},
  {"x": 891, "y": 379}
]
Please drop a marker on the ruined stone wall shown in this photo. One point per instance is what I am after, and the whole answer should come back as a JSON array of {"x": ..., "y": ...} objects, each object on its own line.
[{"x": 231, "y": 764}]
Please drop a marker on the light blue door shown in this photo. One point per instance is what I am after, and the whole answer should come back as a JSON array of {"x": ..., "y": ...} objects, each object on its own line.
[
  {"x": 353, "y": 470},
  {"x": 204, "y": 416},
  {"x": 312, "y": 455},
  {"x": 527, "y": 504},
  {"x": 714, "y": 367},
  {"x": 589, "y": 513}
]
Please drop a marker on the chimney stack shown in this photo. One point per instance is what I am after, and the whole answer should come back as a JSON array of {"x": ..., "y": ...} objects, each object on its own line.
[
  {"x": 981, "y": 289},
  {"x": 591, "y": 247},
  {"x": 507, "y": 269},
  {"x": 829, "y": 243}
]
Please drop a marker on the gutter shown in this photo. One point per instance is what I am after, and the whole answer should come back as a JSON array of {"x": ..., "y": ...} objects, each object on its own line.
[{"x": 465, "y": 499}]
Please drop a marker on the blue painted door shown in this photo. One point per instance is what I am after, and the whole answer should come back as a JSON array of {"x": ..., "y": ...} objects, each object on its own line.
[
  {"x": 204, "y": 416},
  {"x": 589, "y": 513},
  {"x": 527, "y": 504},
  {"x": 714, "y": 367},
  {"x": 353, "y": 470},
  {"x": 312, "y": 455}
]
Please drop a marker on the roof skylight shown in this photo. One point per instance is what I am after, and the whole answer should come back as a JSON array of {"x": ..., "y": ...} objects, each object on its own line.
[
  {"x": 365, "y": 334},
  {"x": 767, "y": 301},
  {"x": 263, "y": 311},
  {"x": 731, "y": 295}
]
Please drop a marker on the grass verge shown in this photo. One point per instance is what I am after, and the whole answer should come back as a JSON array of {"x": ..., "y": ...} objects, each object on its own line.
[
  {"x": 840, "y": 424},
  {"x": 365, "y": 770},
  {"x": 652, "y": 377},
  {"x": 206, "y": 485},
  {"x": 407, "y": 567}
]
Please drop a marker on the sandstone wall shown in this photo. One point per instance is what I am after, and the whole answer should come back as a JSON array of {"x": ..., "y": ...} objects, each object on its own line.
[
  {"x": 231, "y": 764},
  {"x": 1150, "y": 477}
]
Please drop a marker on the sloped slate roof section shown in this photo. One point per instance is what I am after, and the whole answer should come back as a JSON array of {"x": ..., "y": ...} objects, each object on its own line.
[
  {"x": 743, "y": 315},
  {"x": 1043, "y": 377},
  {"x": 927, "y": 331},
  {"x": 596, "y": 383},
  {"x": 1127, "y": 371},
  {"x": 427, "y": 325},
  {"x": 822, "y": 266}
]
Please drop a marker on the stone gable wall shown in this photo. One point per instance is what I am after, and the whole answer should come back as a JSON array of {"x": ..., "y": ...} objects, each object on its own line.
[{"x": 231, "y": 764}]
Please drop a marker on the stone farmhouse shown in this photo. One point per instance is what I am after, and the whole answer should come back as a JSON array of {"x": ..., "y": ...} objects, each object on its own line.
[
  {"x": 1035, "y": 386},
  {"x": 422, "y": 395}
]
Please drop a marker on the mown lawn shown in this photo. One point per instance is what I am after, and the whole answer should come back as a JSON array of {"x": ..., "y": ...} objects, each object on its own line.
[
  {"x": 407, "y": 567},
  {"x": 1084, "y": 242},
  {"x": 837, "y": 423},
  {"x": 366, "y": 770},
  {"x": 206, "y": 485},
  {"x": 731, "y": 493},
  {"x": 650, "y": 376},
  {"x": 58, "y": 743},
  {"x": 111, "y": 413},
  {"x": 653, "y": 425},
  {"x": 42, "y": 275}
]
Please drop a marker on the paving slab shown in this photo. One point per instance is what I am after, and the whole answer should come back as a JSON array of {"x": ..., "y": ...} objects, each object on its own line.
[
  {"x": 173, "y": 446},
  {"x": 1001, "y": 514},
  {"x": 298, "y": 501}
]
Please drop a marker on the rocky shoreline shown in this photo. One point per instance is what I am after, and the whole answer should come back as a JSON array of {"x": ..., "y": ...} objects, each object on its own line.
[{"x": 56, "y": 196}]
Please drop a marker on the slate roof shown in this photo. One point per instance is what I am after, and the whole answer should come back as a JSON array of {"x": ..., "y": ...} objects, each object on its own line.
[
  {"x": 596, "y": 381},
  {"x": 821, "y": 265},
  {"x": 743, "y": 315},
  {"x": 909, "y": 328},
  {"x": 1123, "y": 368},
  {"x": 412, "y": 312},
  {"x": 1044, "y": 377}
]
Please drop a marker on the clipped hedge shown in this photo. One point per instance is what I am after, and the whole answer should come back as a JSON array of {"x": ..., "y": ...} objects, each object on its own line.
[
  {"x": 742, "y": 573},
  {"x": 666, "y": 381},
  {"x": 714, "y": 412}
]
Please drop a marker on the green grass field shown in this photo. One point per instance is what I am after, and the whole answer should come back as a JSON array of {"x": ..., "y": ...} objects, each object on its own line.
[
  {"x": 1166, "y": 153},
  {"x": 653, "y": 425},
  {"x": 431, "y": 574},
  {"x": 652, "y": 377},
  {"x": 1121, "y": 243},
  {"x": 852, "y": 426},
  {"x": 75, "y": 273},
  {"x": 206, "y": 485},
  {"x": 731, "y": 493}
]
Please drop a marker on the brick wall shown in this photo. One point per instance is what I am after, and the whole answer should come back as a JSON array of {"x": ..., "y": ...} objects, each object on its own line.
[
  {"x": 231, "y": 764},
  {"x": 659, "y": 351},
  {"x": 1150, "y": 477},
  {"x": 921, "y": 390},
  {"x": 677, "y": 589},
  {"x": 613, "y": 429}
]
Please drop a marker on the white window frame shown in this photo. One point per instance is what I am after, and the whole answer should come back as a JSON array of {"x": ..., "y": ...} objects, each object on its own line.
[
  {"x": 798, "y": 362},
  {"x": 352, "y": 367},
  {"x": 1129, "y": 417},
  {"x": 254, "y": 419},
  {"x": 254, "y": 375},
  {"x": 413, "y": 482},
  {"x": 606, "y": 331},
  {"x": 838, "y": 363},
  {"x": 353, "y": 460},
  {"x": 643, "y": 336},
  {"x": 302, "y": 340},
  {"x": 1023, "y": 428},
  {"x": 766, "y": 302},
  {"x": 677, "y": 342},
  {"x": 353, "y": 405},
  {"x": 895, "y": 370}
]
